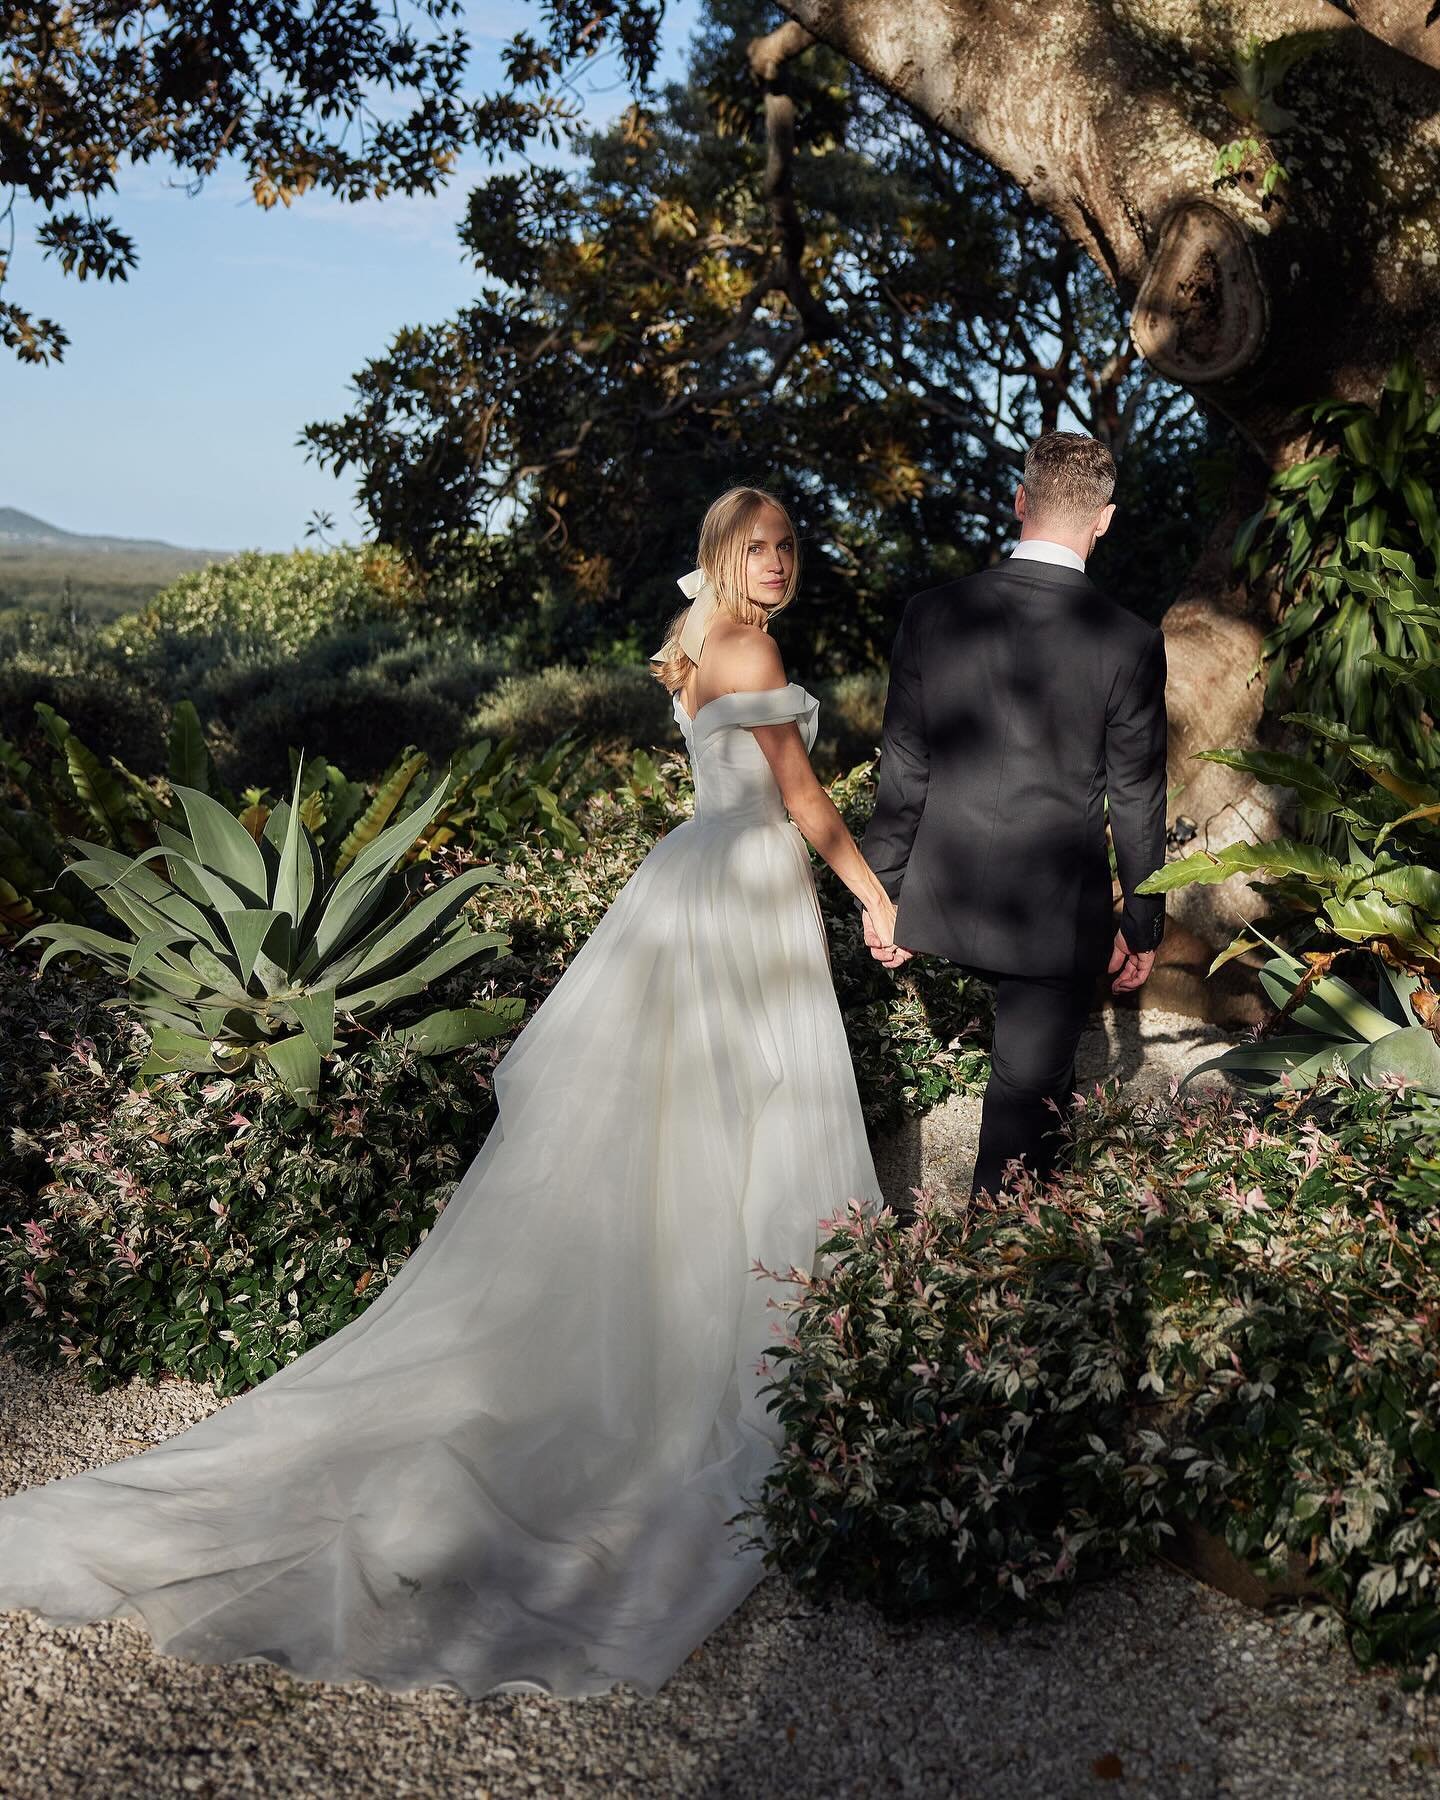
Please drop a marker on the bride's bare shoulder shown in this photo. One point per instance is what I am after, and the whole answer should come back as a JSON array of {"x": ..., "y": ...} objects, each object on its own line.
[{"x": 744, "y": 656}]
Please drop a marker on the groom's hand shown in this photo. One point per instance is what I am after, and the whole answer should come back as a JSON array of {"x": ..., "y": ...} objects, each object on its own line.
[
  {"x": 883, "y": 947},
  {"x": 1129, "y": 967}
]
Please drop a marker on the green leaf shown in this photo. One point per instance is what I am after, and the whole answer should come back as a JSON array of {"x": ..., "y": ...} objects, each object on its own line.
[
  {"x": 296, "y": 1061},
  {"x": 1355, "y": 1013},
  {"x": 1410, "y": 1053},
  {"x": 1419, "y": 672},
  {"x": 1363, "y": 1021},
  {"x": 1421, "y": 501},
  {"x": 1403, "y": 563},
  {"x": 1237, "y": 948},
  {"x": 219, "y": 892},
  {"x": 1396, "y": 987},
  {"x": 189, "y": 757},
  {"x": 440, "y": 1032},
  {"x": 180, "y": 1050},
  {"x": 1385, "y": 767},
  {"x": 178, "y": 869},
  {"x": 1412, "y": 884},
  {"x": 147, "y": 900},
  {"x": 1282, "y": 856},
  {"x": 1270, "y": 1058},
  {"x": 247, "y": 929},
  {"x": 1359, "y": 439},
  {"x": 315, "y": 1014},
  {"x": 437, "y": 908},
  {"x": 216, "y": 973},
  {"x": 1314, "y": 787},
  {"x": 100, "y": 793},
  {"x": 80, "y": 940},
  {"x": 295, "y": 872},
  {"x": 1245, "y": 536},
  {"x": 1301, "y": 474},
  {"x": 223, "y": 845},
  {"x": 447, "y": 956},
  {"x": 1370, "y": 916},
  {"x": 148, "y": 948}
]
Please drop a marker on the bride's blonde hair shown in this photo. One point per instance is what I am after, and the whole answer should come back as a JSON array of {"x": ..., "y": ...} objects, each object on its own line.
[{"x": 724, "y": 541}]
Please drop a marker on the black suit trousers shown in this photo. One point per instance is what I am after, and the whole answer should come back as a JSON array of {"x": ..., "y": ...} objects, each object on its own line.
[{"x": 1038, "y": 1022}]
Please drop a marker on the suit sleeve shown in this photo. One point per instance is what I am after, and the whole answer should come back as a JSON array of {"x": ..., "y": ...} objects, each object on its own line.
[
  {"x": 1135, "y": 750},
  {"x": 904, "y": 764}
]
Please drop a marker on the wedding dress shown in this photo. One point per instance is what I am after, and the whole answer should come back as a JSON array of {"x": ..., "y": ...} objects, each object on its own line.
[{"x": 517, "y": 1468}]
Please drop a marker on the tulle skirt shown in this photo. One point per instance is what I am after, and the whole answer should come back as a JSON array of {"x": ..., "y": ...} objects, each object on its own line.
[{"x": 521, "y": 1466}]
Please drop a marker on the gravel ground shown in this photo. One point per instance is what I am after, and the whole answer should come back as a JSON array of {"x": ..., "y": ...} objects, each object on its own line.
[{"x": 1149, "y": 1684}]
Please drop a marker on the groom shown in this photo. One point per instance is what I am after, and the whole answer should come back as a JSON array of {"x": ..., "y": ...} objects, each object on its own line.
[{"x": 1019, "y": 699}]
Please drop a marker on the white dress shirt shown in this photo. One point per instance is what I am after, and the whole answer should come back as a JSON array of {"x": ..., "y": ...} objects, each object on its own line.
[{"x": 1042, "y": 550}]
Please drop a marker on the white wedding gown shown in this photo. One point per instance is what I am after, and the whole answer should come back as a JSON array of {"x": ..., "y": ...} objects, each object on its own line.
[{"x": 518, "y": 1465}]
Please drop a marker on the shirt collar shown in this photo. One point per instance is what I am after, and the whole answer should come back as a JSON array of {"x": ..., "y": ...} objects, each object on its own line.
[{"x": 1042, "y": 550}]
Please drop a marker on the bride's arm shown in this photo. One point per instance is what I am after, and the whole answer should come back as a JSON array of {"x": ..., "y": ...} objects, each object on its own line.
[
  {"x": 755, "y": 664},
  {"x": 815, "y": 813}
]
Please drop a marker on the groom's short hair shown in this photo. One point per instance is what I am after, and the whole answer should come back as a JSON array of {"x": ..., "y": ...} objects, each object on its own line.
[{"x": 1068, "y": 476}]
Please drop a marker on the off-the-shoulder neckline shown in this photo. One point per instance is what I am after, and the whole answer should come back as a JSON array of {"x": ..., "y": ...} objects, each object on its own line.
[{"x": 738, "y": 694}]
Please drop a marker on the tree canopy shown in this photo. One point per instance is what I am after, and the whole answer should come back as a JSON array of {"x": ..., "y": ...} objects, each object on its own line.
[
  {"x": 341, "y": 95},
  {"x": 773, "y": 272}
]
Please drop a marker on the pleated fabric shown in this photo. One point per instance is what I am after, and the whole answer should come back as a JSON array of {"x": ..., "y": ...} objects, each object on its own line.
[{"x": 518, "y": 1469}]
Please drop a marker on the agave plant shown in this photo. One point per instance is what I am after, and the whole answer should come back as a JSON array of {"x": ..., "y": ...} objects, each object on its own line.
[
  {"x": 242, "y": 951},
  {"x": 1326, "y": 1018}
]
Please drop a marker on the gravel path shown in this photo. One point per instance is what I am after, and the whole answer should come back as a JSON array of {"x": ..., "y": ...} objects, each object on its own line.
[{"x": 1148, "y": 1685}]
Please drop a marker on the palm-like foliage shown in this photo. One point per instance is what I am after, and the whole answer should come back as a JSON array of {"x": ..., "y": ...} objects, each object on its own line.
[
  {"x": 1382, "y": 894},
  {"x": 1328, "y": 526},
  {"x": 1384, "y": 891},
  {"x": 243, "y": 950}
]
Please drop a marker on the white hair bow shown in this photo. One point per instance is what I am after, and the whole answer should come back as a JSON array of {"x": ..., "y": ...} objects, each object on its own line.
[{"x": 699, "y": 590}]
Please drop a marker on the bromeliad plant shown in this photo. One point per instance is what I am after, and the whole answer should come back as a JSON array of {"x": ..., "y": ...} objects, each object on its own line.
[{"x": 242, "y": 952}]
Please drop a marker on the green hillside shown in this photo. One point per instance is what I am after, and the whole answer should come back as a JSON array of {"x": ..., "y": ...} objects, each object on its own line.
[{"x": 45, "y": 566}]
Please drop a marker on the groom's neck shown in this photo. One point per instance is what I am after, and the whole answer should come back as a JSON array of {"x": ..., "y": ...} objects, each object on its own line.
[{"x": 1082, "y": 543}]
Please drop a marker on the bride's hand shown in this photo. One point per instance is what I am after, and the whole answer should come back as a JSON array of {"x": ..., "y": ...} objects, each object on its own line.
[{"x": 880, "y": 927}]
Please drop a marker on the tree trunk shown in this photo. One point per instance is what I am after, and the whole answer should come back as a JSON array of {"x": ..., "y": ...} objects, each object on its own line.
[{"x": 1110, "y": 113}]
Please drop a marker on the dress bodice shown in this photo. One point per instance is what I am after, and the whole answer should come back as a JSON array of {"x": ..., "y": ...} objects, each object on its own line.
[{"x": 732, "y": 779}]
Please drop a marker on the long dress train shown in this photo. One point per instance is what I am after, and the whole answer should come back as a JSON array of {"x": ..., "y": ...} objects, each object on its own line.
[{"x": 516, "y": 1468}]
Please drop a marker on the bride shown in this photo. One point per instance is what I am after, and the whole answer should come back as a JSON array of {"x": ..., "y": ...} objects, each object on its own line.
[{"x": 520, "y": 1467}]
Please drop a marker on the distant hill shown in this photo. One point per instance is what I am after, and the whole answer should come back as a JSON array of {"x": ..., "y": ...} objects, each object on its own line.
[
  {"x": 18, "y": 527},
  {"x": 43, "y": 565}
]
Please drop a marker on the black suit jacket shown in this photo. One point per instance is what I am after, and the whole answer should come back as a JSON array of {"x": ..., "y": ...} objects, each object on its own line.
[{"x": 1019, "y": 698}]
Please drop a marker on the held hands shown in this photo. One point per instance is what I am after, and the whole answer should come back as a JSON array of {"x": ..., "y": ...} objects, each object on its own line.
[
  {"x": 880, "y": 934},
  {"x": 1129, "y": 967}
]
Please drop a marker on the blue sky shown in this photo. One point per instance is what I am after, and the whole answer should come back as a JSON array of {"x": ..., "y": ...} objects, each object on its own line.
[{"x": 175, "y": 412}]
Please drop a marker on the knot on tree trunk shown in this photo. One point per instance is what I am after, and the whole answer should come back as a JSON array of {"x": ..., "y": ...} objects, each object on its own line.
[{"x": 1201, "y": 315}]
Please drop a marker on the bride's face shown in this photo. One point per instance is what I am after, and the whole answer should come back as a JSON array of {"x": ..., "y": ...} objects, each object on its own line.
[{"x": 769, "y": 558}]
